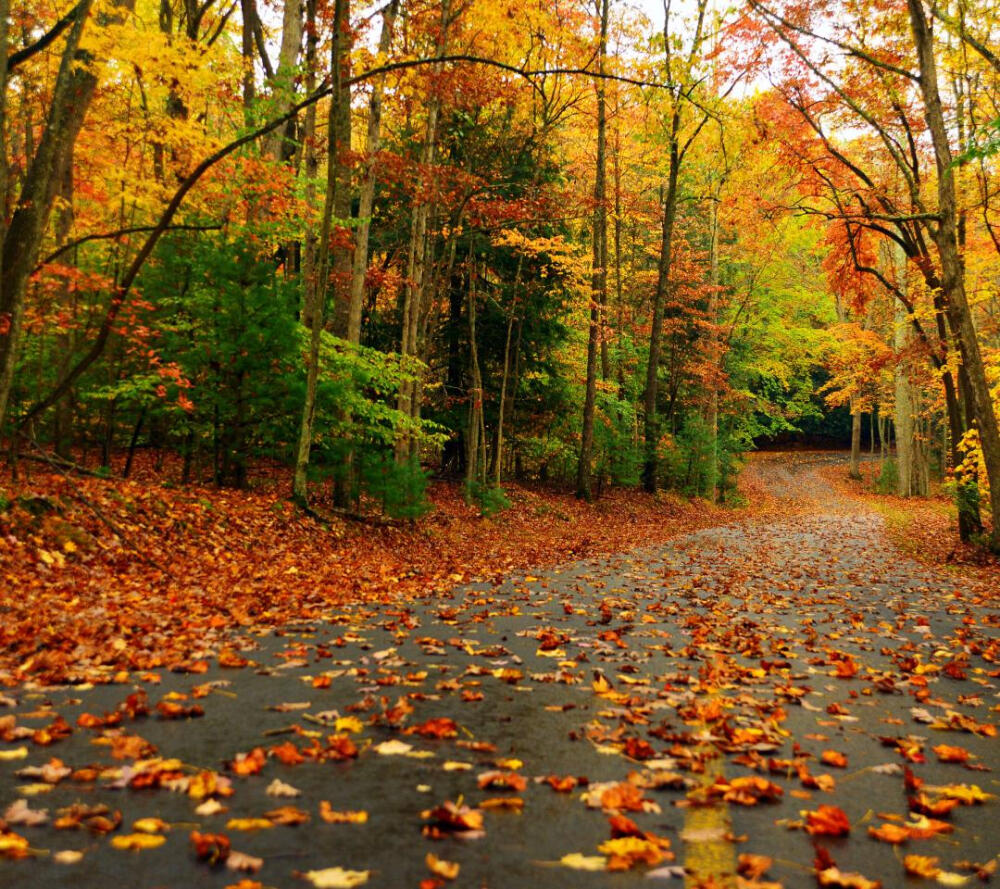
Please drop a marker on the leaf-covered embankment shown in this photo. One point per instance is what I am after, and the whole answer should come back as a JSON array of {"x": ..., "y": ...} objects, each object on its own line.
[{"x": 130, "y": 575}]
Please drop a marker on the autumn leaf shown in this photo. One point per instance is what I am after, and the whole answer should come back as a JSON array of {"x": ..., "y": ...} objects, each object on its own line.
[
  {"x": 336, "y": 878},
  {"x": 624, "y": 853},
  {"x": 251, "y": 763},
  {"x": 753, "y": 866},
  {"x": 448, "y": 870},
  {"x": 289, "y": 816},
  {"x": 578, "y": 861},
  {"x": 240, "y": 861},
  {"x": 281, "y": 789},
  {"x": 827, "y": 821},
  {"x": 499, "y": 780},
  {"x": 946, "y": 753},
  {"x": 135, "y": 842},
  {"x": 13, "y": 845},
  {"x": 19, "y": 813},
  {"x": 834, "y": 758},
  {"x": 890, "y": 833},
  {"x": 212, "y": 848},
  {"x": 508, "y": 803},
  {"x": 438, "y": 727},
  {"x": 452, "y": 817},
  {"x": 249, "y": 824},
  {"x": 327, "y": 814},
  {"x": 921, "y": 866}
]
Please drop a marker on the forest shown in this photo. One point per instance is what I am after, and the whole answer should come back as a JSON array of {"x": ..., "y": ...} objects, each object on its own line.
[
  {"x": 499, "y": 443},
  {"x": 493, "y": 241}
]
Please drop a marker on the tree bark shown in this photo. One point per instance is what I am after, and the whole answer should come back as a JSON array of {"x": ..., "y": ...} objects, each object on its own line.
[
  {"x": 712, "y": 417},
  {"x": 416, "y": 266},
  {"x": 316, "y": 286},
  {"x": 71, "y": 96},
  {"x": 952, "y": 271},
  {"x": 340, "y": 169},
  {"x": 599, "y": 277},
  {"x": 367, "y": 202},
  {"x": 651, "y": 427},
  {"x": 475, "y": 462},
  {"x": 855, "y": 467},
  {"x": 276, "y": 144}
]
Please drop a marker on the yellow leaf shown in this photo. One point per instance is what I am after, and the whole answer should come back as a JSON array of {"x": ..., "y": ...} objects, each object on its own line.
[
  {"x": 578, "y": 861},
  {"x": 134, "y": 842},
  {"x": 248, "y": 824},
  {"x": 332, "y": 817},
  {"x": 440, "y": 867},
  {"x": 349, "y": 724},
  {"x": 150, "y": 825},
  {"x": 510, "y": 765},
  {"x": 16, "y": 753},
  {"x": 337, "y": 878}
]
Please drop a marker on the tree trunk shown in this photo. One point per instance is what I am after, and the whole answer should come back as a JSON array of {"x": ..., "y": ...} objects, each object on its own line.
[
  {"x": 712, "y": 415},
  {"x": 952, "y": 271},
  {"x": 599, "y": 277},
  {"x": 855, "y": 470},
  {"x": 497, "y": 465},
  {"x": 276, "y": 144},
  {"x": 367, "y": 203},
  {"x": 74, "y": 88},
  {"x": 416, "y": 265},
  {"x": 475, "y": 463},
  {"x": 340, "y": 146},
  {"x": 651, "y": 429},
  {"x": 316, "y": 286}
]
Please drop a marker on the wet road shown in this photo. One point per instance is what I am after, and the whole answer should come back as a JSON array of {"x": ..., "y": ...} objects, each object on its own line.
[{"x": 723, "y": 687}]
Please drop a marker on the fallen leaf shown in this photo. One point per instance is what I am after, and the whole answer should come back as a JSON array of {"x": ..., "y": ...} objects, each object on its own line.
[
  {"x": 827, "y": 821},
  {"x": 240, "y": 861},
  {"x": 336, "y": 878},
  {"x": 281, "y": 789},
  {"x": 579, "y": 861},
  {"x": 135, "y": 842},
  {"x": 327, "y": 814},
  {"x": 441, "y": 868}
]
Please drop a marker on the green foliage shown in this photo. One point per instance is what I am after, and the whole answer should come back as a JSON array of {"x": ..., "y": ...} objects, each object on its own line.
[
  {"x": 688, "y": 464},
  {"x": 227, "y": 322},
  {"x": 987, "y": 147},
  {"x": 617, "y": 443},
  {"x": 490, "y": 498},
  {"x": 887, "y": 481},
  {"x": 400, "y": 487},
  {"x": 966, "y": 494}
]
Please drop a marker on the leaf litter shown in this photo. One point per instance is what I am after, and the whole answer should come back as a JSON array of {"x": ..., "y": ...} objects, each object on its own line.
[{"x": 716, "y": 675}]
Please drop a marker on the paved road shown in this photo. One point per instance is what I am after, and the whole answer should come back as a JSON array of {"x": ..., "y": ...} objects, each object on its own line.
[{"x": 676, "y": 676}]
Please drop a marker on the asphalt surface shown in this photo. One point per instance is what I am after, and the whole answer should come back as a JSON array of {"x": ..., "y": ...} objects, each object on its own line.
[{"x": 685, "y": 666}]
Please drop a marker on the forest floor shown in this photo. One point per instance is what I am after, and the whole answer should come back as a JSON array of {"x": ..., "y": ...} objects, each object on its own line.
[{"x": 776, "y": 696}]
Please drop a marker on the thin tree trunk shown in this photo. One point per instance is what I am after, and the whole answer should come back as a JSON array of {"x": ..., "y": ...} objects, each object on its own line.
[
  {"x": 340, "y": 144},
  {"x": 952, "y": 271},
  {"x": 367, "y": 202},
  {"x": 317, "y": 285},
  {"x": 475, "y": 466},
  {"x": 311, "y": 165},
  {"x": 855, "y": 470},
  {"x": 599, "y": 278},
  {"x": 498, "y": 449},
  {"x": 713, "y": 318},
  {"x": 74, "y": 88},
  {"x": 908, "y": 484},
  {"x": 416, "y": 265},
  {"x": 276, "y": 144},
  {"x": 651, "y": 428}
]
